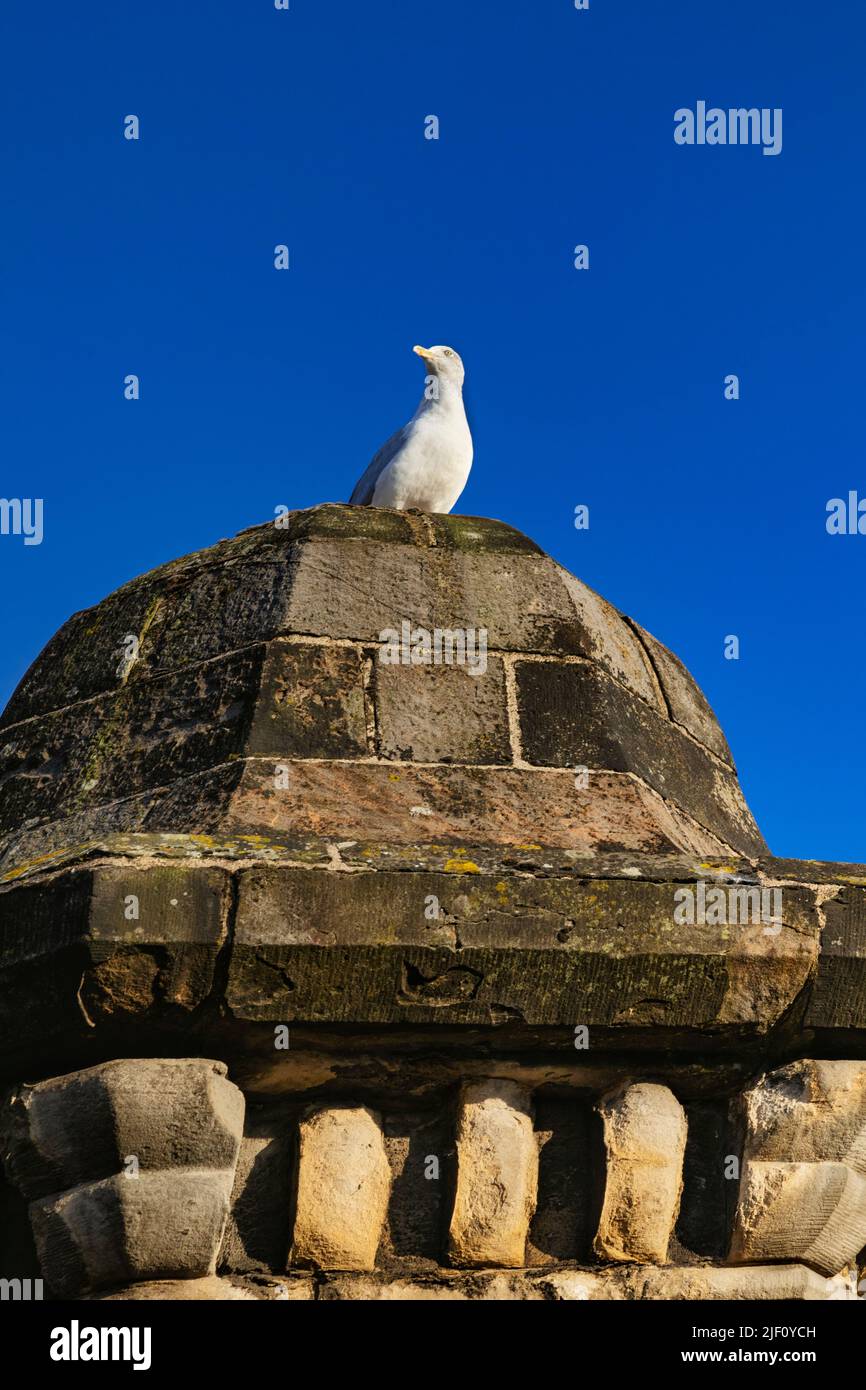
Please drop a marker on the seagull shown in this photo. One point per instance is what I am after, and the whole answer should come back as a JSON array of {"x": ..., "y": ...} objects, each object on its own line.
[{"x": 425, "y": 465}]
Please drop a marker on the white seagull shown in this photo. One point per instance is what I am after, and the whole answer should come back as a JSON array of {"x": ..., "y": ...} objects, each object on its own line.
[{"x": 424, "y": 465}]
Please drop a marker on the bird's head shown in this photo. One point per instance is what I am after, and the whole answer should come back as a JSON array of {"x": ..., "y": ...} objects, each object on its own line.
[{"x": 443, "y": 362}]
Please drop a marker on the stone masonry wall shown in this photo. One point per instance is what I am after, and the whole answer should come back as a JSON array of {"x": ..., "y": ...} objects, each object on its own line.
[
  {"x": 139, "y": 1174},
  {"x": 331, "y": 973}
]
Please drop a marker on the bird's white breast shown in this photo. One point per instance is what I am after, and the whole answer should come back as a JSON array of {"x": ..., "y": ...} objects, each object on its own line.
[{"x": 431, "y": 469}]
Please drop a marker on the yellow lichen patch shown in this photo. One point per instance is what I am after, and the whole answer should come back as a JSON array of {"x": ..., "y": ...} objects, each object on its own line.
[
  {"x": 460, "y": 866},
  {"x": 68, "y": 851},
  {"x": 529, "y": 846},
  {"x": 718, "y": 868}
]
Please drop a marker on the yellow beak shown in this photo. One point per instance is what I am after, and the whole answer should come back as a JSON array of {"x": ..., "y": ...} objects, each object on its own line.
[{"x": 422, "y": 352}]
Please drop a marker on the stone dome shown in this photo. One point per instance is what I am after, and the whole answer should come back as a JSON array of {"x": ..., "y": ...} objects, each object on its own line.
[
  {"x": 282, "y": 898},
  {"x": 266, "y": 687}
]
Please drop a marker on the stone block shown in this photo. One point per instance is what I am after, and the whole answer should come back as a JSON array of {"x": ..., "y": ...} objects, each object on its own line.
[
  {"x": 429, "y": 714},
  {"x": 402, "y": 802},
  {"x": 166, "y": 1114},
  {"x": 497, "y": 1175},
  {"x": 128, "y": 1167},
  {"x": 539, "y": 946},
  {"x": 87, "y": 950},
  {"x": 143, "y": 735},
  {"x": 344, "y": 1182},
  {"x": 814, "y": 1211},
  {"x": 838, "y": 998},
  {"x": 517, "y": 595},
  {"x": 644, "y": 1138},
  {"x": 803, "y": 1179},
  {"x": 310, "y": 703},
  {"x": 610, "y": 641},
  {"x": 686, "y": 702},
  {"x": 573, "y": 715},
  {"x": 123, "y": 1229}
]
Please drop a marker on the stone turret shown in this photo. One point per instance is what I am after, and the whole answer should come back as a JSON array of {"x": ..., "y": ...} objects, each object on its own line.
[
  {"x": 165, "y": 708},
  {"x": 415, "y": 874}
]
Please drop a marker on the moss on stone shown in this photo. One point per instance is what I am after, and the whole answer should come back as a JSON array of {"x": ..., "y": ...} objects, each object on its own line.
[{"x": 481, "y": 534}]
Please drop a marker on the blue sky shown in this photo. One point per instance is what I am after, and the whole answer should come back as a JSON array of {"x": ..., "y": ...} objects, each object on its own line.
[{"x": 603, "y": 387}]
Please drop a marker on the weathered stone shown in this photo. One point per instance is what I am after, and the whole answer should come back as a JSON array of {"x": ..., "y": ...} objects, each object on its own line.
[
  {"x": 344, "y": 1181},
  {"x": 310, "y": 703},
  {"x": 838, "y": 998},
  {"x": 685, "y": 700},
  {"x": 560, "y": 1227},
  {"x": 490, "y": 934},
  {"x": 803, "y": 1183},
  {"x": 397, "y": 801},
  {"x": 572, "y": 714},
  {"x": 143, "y": 736},
  {"x": 244, "y": 818},
  {"x": 611, "y": 642},
  {"x": 122, "y": 1229},
  {"x": 430, "y": 714},
  {"x": 292, "y": 1288},
  {"x": 400, "y": 801},
  {"x": 816, "y": 1211},
  {"x": 645, "y": 1139},
  {"x": 257, "y": 1230},
  {"x": 129, "y": 1169},
  {"x": 165, "y": 1114},
  {"x": 170, "y": 612},
  {"x": 266, "y": 647},
  {"x": 333, "y": 572},
  {"x": 809, "y": 1112},
  {"x": 698, "y": 1282},
  {"x": 476, "y": 943},
  {"x": 88, "y": 951},
  {"x": 420, "y": 1063},
  {"x": 359, "y": 590},
  {"x": 497, "y": 1175}
]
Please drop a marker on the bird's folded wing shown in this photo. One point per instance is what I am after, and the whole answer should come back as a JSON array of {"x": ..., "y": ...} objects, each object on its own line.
[{"x": 362, "y": 495}]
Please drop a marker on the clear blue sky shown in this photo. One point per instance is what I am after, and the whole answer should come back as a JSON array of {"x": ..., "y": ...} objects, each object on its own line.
[{"x": 605, "y": 387}]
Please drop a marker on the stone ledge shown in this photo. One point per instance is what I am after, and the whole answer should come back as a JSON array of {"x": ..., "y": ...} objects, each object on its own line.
[
  {"x": 367, "y": 853},
  {"x": 419, "y": 945},
  {"x": 311, "y": 932},
  {"x": 697, "y": 1282},
  {"x": 289, "y": 1288},
  {"x": 768, "y": 1282},
  {"x": 389, "y": 802}
]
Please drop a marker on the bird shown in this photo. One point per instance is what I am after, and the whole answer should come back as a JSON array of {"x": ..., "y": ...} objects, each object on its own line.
[{"x": 425, "y": 465}]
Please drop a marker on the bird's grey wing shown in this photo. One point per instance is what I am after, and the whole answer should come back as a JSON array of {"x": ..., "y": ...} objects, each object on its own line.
[{"x": 362, "y": 495}]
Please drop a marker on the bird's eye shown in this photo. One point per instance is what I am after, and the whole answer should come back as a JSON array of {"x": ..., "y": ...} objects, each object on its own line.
[{"x": 448, "y": 352}]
